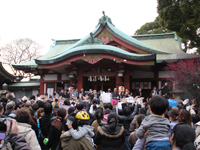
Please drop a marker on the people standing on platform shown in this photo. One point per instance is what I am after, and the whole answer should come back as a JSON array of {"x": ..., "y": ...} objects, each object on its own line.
[
  {"x": 82, "y": 92},
  {"x": 115, "y": 94},
  {"x": 74, "y": 93},
  {"x": 156, "y": 91},
  {"x": 62, "y": 94},
  {"x": 139, "y": 92}
]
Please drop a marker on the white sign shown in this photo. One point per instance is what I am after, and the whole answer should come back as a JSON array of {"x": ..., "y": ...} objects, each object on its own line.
[
  {"x": 50, "y": 91},
  {"x": 106, "y": 97},
  {"x": 138, "y": 100},
  {"x": 119, "y": 106},
  {"x": 129, "y": 100}
]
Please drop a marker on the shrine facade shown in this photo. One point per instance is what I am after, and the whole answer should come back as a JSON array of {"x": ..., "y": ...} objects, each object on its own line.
[{"x": 107, "y": 58}]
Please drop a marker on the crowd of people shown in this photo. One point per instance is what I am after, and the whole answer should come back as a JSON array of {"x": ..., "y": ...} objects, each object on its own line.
[{"x": 72, "y": 120}]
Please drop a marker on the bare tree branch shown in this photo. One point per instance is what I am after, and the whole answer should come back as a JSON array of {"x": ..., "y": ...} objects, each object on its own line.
[{"x": 19, "y": 51}]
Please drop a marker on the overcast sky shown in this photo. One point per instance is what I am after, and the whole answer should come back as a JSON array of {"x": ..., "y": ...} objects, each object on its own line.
[{"x": 43, "y": 20}]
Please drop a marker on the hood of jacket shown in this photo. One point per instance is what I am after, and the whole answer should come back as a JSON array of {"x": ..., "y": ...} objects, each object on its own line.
[
  {"x": 104, "y": 130},
  {"x": 47, "y": 119},
  {"x": 23, "y": 128},
  {"x": 89, "y": 128},
  {"x": 65, "y": 136}
]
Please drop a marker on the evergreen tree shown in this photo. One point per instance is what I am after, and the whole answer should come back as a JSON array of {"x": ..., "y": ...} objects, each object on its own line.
[{"x": 183, "y": 17}]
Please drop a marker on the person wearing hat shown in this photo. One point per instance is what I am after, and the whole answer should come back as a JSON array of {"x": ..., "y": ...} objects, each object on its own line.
[
  {"x": 84, "y": 129},
  {"x": 10, "y": 108}
]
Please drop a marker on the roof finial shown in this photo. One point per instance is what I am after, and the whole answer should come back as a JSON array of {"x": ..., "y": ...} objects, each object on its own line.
[
  {"x": 103, "y": 13},
  {"x": 92, "y": 38}
]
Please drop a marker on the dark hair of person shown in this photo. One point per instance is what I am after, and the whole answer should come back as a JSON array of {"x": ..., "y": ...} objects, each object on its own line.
[
  {"x": 40, "y": 104},
  {"x": 71, "y": 109},
  {"x": 74, "y": 123},
  {"x": 126, "y": 111},
  {"x": 66, "y": 102},
  {"x": 159, "y": 105},
  {"x": 131, "y": 107},
  {"x": 195, "y": 118},
  {"x": 106, "y": 111},
  {"x": 82, "y": 122},
  {"x": 94, "y": 102},
  {"x": 35, "y": 106},
  {"x": 98, "y": 115},
  {"x": 109, "y": 106},
  {"x": 60, "y": 115},
  {"x": 100, "y": 108},
  {"x": 23, "y": 115},
  {"x": 143, "y": 111},
  {"x": 47, "y": 108},
  {"x": 79, "y": 106},
  {"x": 184, "y": 116},
  {"x": 39, "y": 111},
  {"x": 120, "y": 112},
  {"x": 140, "y": 118},
  {"x": 184, "y": 136},
  {"x": 56, "y": 100},
  {"x": 4, "y": 102},
  {"x": 1, "y": 107},
  {"x": 112, "y": 121},
  {"x": 32, "y": 97},
  {"x": 173, "y": 114}
]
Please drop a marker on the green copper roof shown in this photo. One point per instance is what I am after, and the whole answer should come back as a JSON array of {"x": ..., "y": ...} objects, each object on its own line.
[
  {"x": 133, "y": 41},
  {"x": 96, "y": 49},
  {"x": 28, "y": 64},
  {"x": 63, "y": 49}
]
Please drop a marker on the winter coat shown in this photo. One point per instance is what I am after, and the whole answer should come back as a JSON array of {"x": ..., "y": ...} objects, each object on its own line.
[
  {"x": 18, "y": 142},
  {"x": 69, "y": 143},
  {"x": 126, "y": 120},
  {"x": 85, "y": 130},
  {"x": 133, "y": 125},
  {"x": 25, "y": 130},
  {"x": 109, "y": 140},
  {"x": 45, "y": 123},
  {"x": 95, "y": 124},
  {"x": 158, "y": 126},
  {"x": 133, "y": 138},
  {"x": 54, "y": 136}
]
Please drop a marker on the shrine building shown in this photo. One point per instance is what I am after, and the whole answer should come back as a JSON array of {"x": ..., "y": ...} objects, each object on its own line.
[{"x": 107, "y": 58}]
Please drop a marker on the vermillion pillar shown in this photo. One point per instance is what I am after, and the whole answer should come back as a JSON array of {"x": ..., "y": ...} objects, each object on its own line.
[
  {"x": 41, "y": 85},
  {"x": 127, "y": 79},
  {"x": 80, "y": 80},
  {"x": 118, "y": 80}
]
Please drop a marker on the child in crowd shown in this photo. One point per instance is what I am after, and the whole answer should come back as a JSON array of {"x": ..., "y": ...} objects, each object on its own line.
[
  {"x": 156, "y": 125},
  {"x": 84, "y": 129},
  {"x": 173, "y": 117}
]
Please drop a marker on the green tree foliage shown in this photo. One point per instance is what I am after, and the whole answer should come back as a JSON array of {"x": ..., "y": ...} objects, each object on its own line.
[
  {"x": 183, "y": 17},
  {"x": 151, "y": 28}
]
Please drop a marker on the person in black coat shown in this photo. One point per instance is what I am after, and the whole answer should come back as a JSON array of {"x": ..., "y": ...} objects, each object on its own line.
[
  {"x": 56, "y": 129},
  {"x": 139, "y": 93},
  {"x": 110, "y": 136},
  {"x": 45, "y": 123},
  {"x": 155, "y": 91}
]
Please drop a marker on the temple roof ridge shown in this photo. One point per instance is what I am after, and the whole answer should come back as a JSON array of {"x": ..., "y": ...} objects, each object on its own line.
[{"x": 104, "y": 20}]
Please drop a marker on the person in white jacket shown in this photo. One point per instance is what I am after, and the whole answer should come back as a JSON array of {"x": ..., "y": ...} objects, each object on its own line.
[{"x": 24, "y": 128}]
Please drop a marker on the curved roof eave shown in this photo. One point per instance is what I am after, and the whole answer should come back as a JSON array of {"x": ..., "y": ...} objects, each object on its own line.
[
  {"x": 98, "y": 49},
  {"x": 79, "y": 43},
  {"x": 5, "y": 73},
  {"x": 132, "y": 41},
  {"x": 29, "y": 64}
]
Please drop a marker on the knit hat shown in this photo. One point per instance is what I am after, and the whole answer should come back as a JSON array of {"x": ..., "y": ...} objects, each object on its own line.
[{"x": 10, "y": 104}]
